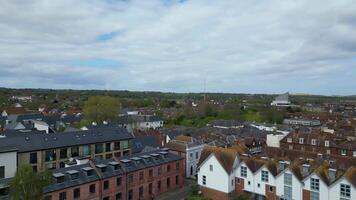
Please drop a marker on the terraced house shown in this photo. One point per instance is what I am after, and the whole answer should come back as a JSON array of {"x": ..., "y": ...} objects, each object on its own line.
[
  {"x": 51, "y": 151},
  {"x": 272, "y": 179},
  {"x": 140, "y": 176}
]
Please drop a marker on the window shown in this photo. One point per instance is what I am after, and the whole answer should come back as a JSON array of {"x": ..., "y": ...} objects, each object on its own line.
[
  {"x": 92, "y": 188},
  {"x": 63, "y": 153},
  {"x": 76, "y": 193},
  {"x": 301, "y": 140},
  {"x": 124, "y": 144},
  {"x": 314, "y": 195},
  {"x": 62, "y": 196},
  {"x": 141, "y": 176},
  {"x": 354, "y": 153},
  {"x": 140, "y": 192},
  {"x": 50, "y": 155},
  {"x": 33, "y": 157},
  {"x": 106, "y": 198},
  {"x": 249, "y": 182},
  {"x": 243, "y": 171},
  {"x": 326, "y": 143},
  {"x": 345, "y": 191},
  {"x": 264, "y": 176},
  {"x": 191, "y": 155},
  {"x": 130, "y": 195},
  {"x": 328, "y": 151},
  {"x": 343, "y": 152},
  {"x": 232, "y": 182},
  {"x": 177, "y": 165},
  {"x": 116, "y": 145},
  {"x": 159, "y": 170},
  {"x": 74, "y": 151},
  {"x": 106, "y": 185},
  {"x": 314, "y": 184},
  {"x": 118, "y": 196},
  {"x": 118, "y": 181},
  {"x": 290, "y": 147},
  {"x": 150, "y": 173},
  {"x": 288, "y": 192},
  {"x": 288, "y": 179},
  {"x": 313, "y": 141},
  {"x": 86, "y": 150},
  {"x": 196, "y": 155},
  {"x": 159, "y": 185},
  {"x": 150, "y": 188},
  {"x": 168, "y": 183},
  {"x": 177, "y": 180},
  {"x": 204, "y": 180},
  {"x": 168, "y": 168},
  {"x": 289, "y": 140},
  {"x": 130, "y": 178},
  {"x": 211, "y": 167},
  {"x": 258, "y": 185},
  {"x": 270, "y": 189},
  {"x": 2, "y": 172},
  {"x": 99, "y": 148},
  {"x": 108, "y": 147}
]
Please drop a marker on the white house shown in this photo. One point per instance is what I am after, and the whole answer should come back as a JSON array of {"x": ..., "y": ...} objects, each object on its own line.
[
  {"x": 216, "y": 173},
  {"x": 273, "y": 139},
  {"x": 281, "y": 100},
  {"x": 8, "y": 162}
]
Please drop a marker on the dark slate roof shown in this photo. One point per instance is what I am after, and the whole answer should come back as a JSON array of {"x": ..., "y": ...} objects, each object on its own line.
[
  {"x": 36, "y": 140},
  {"x": 102, "y": 125},
  {"x": 124, "y": 165},
  {"x": 68, "y": 182},
  {"x": 21, "y": 118},
  {"x": 139, "y": 143},
  {"x": 4, "y": 149}
]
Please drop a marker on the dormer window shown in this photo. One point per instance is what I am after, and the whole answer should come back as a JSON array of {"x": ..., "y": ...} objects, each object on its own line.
[
  {"x": 289, "y": 140},
  {"x": 102, "y": 167},
  {"x": 88, "y": 170},
  {"x": 313, "y": 141},
  {"x": 327, "y": 143},
  {"x": 343, "y": 152},
  {"x": 73, "y": 174},
  {"x": 59, "y": 177},
  {"x": 301, "y": 140}
]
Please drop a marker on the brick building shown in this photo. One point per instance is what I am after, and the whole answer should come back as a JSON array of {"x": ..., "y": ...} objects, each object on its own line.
[
  {"x": 139, "y": 176},
  {"x": 319, "y": 142}
]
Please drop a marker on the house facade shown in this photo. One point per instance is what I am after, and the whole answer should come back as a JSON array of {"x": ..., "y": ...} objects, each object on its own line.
[
  {"x": 140, "y": 176},
  {"x": 266, "y": 178}
]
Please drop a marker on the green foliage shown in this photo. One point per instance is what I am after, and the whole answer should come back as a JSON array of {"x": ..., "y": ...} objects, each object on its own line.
[
  {"x": 252, "y": 116},
  {"x": 194, "y": 190},
  {"x": 197, "y": 198},
  {"x": 28, "y": 185},
  {"x": 240, "y": 198},
  {"x": 101, "y": 108}
]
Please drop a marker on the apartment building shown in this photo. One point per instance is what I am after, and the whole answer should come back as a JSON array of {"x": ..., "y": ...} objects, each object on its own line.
[
  {"x": 51, "y": 151},
  {"x": 319, "y": 142},
  {"x": 272, "y": 179},
  {"x": 140, "y": 176}
]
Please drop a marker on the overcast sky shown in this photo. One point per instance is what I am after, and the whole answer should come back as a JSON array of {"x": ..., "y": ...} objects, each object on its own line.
[{"x": 240, "y": 46}]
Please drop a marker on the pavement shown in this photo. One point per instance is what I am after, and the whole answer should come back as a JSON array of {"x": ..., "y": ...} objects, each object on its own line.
[{"x": 179, "y": 194}]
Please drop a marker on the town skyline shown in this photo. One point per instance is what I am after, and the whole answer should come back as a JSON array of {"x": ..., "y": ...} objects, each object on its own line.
[{"x": 173, "y": 46}]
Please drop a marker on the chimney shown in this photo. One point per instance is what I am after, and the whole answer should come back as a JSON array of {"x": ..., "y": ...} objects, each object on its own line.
[
  {"x": 332, "y": 174},
  {"x": 283, "y": 165},
  {"x": 306, "y": 168}
]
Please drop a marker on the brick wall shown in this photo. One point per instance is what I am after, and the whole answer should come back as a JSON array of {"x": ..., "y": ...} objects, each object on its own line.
[
  {"x": 214, "y": 194},
  {"x": 239, "y": 186},
  {"x": 270, "y": 192}
]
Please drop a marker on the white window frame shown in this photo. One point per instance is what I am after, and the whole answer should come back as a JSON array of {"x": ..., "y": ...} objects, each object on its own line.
[
  {"x": 211, "y": 168},
  {"x": 301, "y": 140},
  {"x": 243, "y": 171},
  {"x": 313, "y": 141},
  {"x": 327, "y": 143},
  {"x": 264, "y": 176},
  {"x": 345, "y": 191},
  {"x": 204, "y": 180}
]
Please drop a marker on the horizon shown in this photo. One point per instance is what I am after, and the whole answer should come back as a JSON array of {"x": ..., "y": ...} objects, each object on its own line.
[{"x": 180, "y": 46}]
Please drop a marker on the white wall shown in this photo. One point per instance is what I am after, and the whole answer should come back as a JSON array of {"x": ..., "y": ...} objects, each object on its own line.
[
  {"x": 296, "y": 185},
  {"x": 250, "y": 177},
  {"x": 218, "y": 179},
  {"x": 9, "y": 160},
  {"x": 273, "y": 140},
  {"x": 41, "y": 127},
  {"x": 323, "y": 188},
  {"x": 334, "y": 190},
  {"x": 262, "y": 189}
]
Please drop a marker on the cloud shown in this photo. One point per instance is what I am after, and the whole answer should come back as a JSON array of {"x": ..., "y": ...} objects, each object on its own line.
[{"x": 170, "y": 45}]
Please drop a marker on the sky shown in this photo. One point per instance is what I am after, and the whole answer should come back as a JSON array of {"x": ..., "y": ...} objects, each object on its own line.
[{"x": 235, "y": 46}]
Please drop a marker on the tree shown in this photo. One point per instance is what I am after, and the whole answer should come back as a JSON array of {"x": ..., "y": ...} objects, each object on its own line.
[
  {"x": 28, "y": 185},
  {"x": 101, "y": 108}
]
